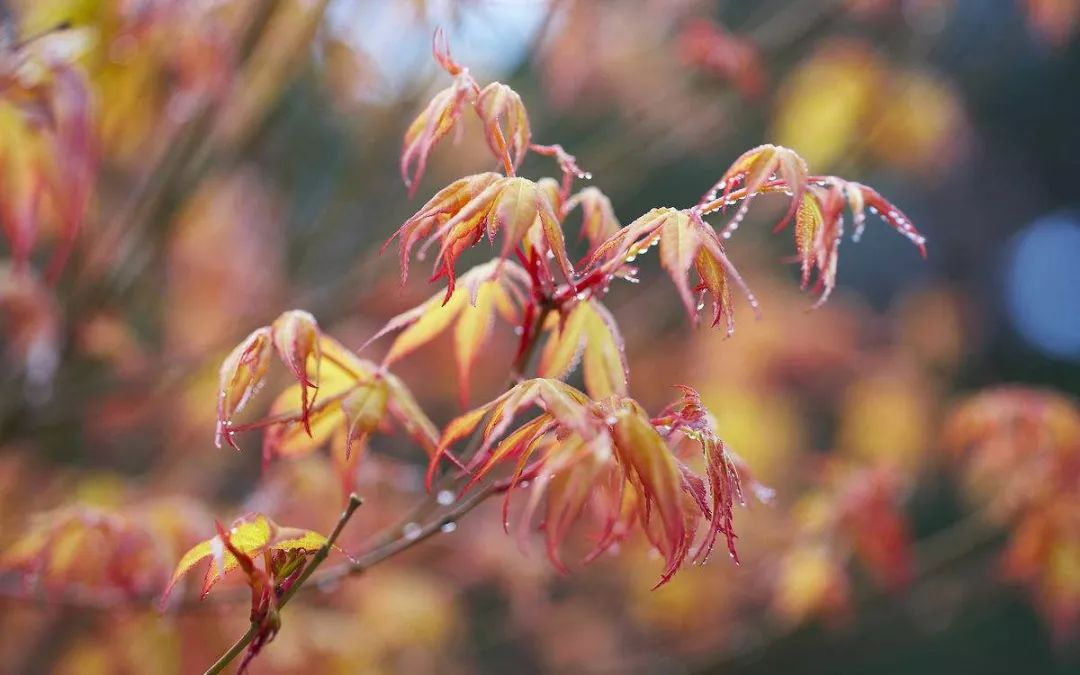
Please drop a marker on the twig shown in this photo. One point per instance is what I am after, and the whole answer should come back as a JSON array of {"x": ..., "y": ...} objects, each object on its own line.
[
  {"x": 316, "y": 560},
  {"x": 409, "y": 539}
]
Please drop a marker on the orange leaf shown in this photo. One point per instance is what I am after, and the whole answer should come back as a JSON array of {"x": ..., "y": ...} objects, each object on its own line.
[
  {"x": 752, "y": 171},
  {"x": 506, "y": 124},
  {"x": 652, "y": 469},
  {"x": 480, "y": 205},
  {"x": 241, "y": 373},
  {"x": 430, "y": 127},
  {"x": 679, "y": 244}
]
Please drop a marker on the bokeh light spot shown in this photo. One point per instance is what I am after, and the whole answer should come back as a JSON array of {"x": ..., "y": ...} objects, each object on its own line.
[{"x": 1043, "y": 285}]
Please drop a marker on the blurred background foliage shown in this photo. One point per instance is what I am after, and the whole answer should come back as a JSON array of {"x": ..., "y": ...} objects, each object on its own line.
[{"x": 249, "y": 164}]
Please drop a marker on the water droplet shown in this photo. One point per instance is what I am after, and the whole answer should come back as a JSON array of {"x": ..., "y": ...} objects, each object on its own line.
[
  {"x": 447, "y": 528},
  {"x": 445, "y": 497},
  {"x": 610, "y": 419},
  {"x": 412, "y": 531}
]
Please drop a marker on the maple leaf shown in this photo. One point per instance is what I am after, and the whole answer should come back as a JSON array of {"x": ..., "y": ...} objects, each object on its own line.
[
  {"x": 724, "y": 469},
  {"x": 248, "y": 537},
  {"x": 686, "y": 241},
  {"x": 494, "y": 288},
  {"x": 358, "y": 397},
  {"x": 438, "y": 118},
  {"x": 429, "y": 127},
  {"x": 819, "y": 226},
  {"x": 560, "y": 401},
  {"x": 588, "y": 332},
  {"x": 607, "y": 453},
  {"x": 295, "y": 337},
  {"x": 766, "y": 168},
  {"x": 101, "y": 548},
  {"x": 283, "y": 552},
  {"x": 1018, "y": 449},
  {"x": 658, "y": 479},
  {"x": 500, "y": 109},
  {"x": 817, "y": 206},
  {"x": 439, "y": 209},
  {"x": 1016, "y": 446},
  {"x": 506, "y": 124},
  {"x": 464, "y": 212}
]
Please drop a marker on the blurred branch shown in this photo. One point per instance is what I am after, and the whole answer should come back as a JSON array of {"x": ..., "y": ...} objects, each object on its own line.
[{"x": 217, "y": 129}]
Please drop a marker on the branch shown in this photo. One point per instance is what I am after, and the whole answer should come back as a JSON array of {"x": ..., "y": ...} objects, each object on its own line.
[{"x": 409, "y": 539}]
